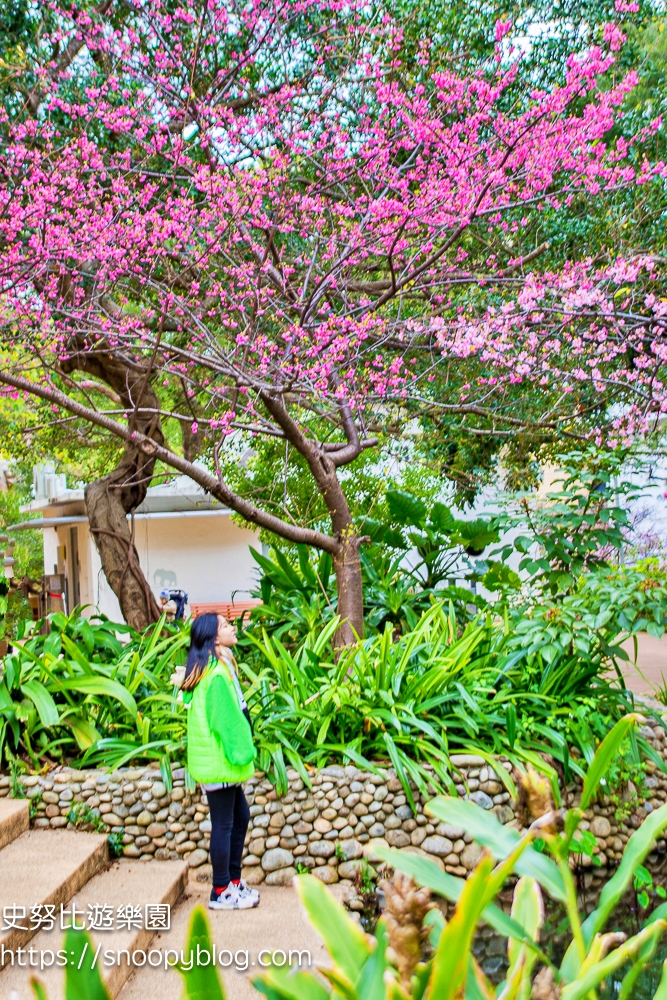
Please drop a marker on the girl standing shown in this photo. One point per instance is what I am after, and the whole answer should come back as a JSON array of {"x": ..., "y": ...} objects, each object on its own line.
[{"x": 221, "y": 753}]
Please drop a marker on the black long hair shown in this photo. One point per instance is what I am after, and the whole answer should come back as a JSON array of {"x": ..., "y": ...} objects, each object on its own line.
[{"x": 203, "y": 634}]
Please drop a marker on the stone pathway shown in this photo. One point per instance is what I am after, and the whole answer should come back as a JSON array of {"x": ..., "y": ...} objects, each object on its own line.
[{"x": 277, "y": 924}]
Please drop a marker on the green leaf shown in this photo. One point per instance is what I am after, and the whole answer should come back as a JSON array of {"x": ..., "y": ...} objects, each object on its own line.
[
  {"x": 101, "y": 686},
  {"x": 427, "y": 873},
  {"x": 405, "y": 508},
  {"x": 638, "y": 847},
  {"x": 84, "y": 731},
  {"x": 202, "y": 982},
  {"x": 451, "y": 960},
  {"x": 584, "y": 984},
  {"x": 661, "y": 992},
  {"x": 290, "y": 984},
  {"x": 604, "y": 755},
  {"x": 528, "y": 912},
  {"x": 441, "y": 517},
  {"x": 371, "y": 985},
  {"x": 38, "y": 988},
  {"x": 43, "y": 702},
  {"x": 82, "y": 978},
  {"x": 344, "y": 939},
  {"x": 500, "y": 840},
  {"x": 76, "y": 654}
]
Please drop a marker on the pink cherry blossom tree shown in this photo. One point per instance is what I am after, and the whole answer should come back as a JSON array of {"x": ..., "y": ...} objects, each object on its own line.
[{"x": 261, "y": 204}]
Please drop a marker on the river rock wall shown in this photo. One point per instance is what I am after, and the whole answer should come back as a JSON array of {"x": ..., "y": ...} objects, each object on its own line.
[{"x": 326, "y": 829}]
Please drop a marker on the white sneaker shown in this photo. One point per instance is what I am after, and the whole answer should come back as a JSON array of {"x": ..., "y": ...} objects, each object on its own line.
[
  {"x": 245, "y": 892},
  {"x": 229, "y": 899}
]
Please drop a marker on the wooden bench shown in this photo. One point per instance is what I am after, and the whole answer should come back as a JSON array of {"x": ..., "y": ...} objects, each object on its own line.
[{"x": 230, "y": 609}]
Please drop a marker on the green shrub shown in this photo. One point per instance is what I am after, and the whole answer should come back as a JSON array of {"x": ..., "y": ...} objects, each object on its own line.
[
  {"x": 413, "y": 700},
  {"x": 395, "y": 966},
  {"x": 79, "y": 689}
]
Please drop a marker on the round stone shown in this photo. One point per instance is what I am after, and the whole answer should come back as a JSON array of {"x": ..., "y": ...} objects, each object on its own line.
[
  {"x": 276, "y": 859},
  {"x": 326, "y": 874},
  {"x": 320, "y": 849},
  {"x": 322, "y": 825},
  {"x": 186, "y": 847},
  {"x": 348, "y": 869},
  {"x": 197, "y": 858},
  {"x": 282, "y": 876},
  {"x": 471, "y": 855},
  {"x": 440, "y": 846},
  {"x": 482, "y": 799},
  {"x": 155, "y": 830},
  {"x": 145, "y": 818},
  {"x": 371, "y": 848},
  {"x": 397, "y": 838},
  {"x": 600, "y": 826},
  {"x": 350, "y": 849},
  {"x": 253, "y": 876}
]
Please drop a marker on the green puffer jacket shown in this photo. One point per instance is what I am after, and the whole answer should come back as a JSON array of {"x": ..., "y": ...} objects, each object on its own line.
[{"x": 220, "y": 746}]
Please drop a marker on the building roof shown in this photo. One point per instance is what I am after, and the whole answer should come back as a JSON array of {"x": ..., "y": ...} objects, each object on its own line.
[{"x": 53, "y": 497}]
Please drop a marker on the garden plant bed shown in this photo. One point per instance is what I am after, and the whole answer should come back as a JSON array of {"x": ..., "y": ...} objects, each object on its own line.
[{"x": 345, "y": 817}]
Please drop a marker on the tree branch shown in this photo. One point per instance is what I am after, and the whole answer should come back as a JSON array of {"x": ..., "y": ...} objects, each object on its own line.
[{"x": 220, "y": 490}]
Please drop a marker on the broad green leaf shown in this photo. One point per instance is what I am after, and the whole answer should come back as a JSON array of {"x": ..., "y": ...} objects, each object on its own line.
[
  {"x": 501, "y": 840},
  {"x": 661, "y": 992},
  {"x": 82, "y": 976},
  {"x": 638, "y": 847},
  {"x": 84, "y": 731},
  {"x": 43, "y": 702},
  {"x": 583, "y": 985},
  {"x": 528, "y": 912},
  {"x": 101, "y": 686},
  {"x": 344, "y": 939},
  {"x": 201, "y": 982},
  {"x": 405, "y": 508},
  {"x": 604, "y": 755},
  {"x": 290, "y": 984},
  {"x": 370, "y": 984},
  {"x": 341, "y": 984},
  {"x": 76, "y": 654},
  {"x": 427, "y": 873},
  {"x": 451, "y": 960},
  {"x": 6, "y": 700}
]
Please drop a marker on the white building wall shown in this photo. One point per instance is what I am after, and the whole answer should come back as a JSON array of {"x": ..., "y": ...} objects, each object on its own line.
[{"x": 207, "y": 555}]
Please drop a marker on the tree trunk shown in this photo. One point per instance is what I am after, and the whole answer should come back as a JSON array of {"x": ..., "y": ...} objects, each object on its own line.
[
  {"x": 109, "y": 500},
  {"x": 347, "y": 566}
]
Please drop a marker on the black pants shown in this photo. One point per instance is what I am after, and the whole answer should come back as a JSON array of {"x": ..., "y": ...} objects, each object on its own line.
[{"x": 229, "y": 822}]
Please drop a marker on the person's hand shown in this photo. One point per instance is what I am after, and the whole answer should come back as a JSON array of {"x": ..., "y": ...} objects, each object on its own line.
[{"x": 177, "y": 678}]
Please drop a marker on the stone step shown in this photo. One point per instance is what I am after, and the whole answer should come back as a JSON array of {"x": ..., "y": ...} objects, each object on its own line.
[
  {"x": 14, "y": 819},
  {"x": 43, "y": 867},
  {"x": 123, "y": 884}
]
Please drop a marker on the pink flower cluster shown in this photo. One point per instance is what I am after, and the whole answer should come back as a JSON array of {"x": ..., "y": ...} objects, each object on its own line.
[{"x": 285, "y": 228}]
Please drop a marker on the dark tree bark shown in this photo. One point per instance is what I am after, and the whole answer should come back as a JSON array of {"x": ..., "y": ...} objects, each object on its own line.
[
  {"x": 324, "y": 466},
  {"x": 109, "y": 500},
  {"x": 323, "y": 459}
]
